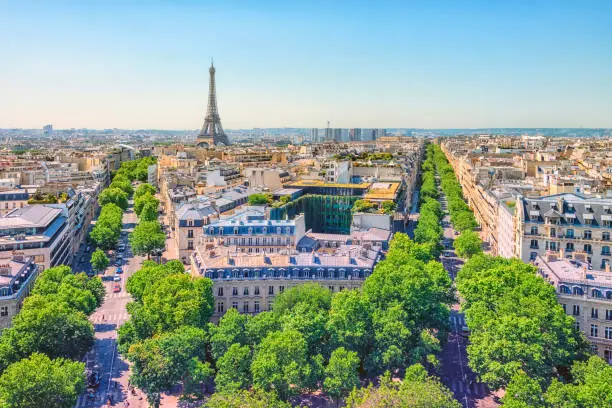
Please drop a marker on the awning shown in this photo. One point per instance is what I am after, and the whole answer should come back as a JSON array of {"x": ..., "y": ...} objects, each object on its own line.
[
  {"x": 587, "y": 216},
  {"x": 534, "y": 213},
  {"x": 606, "y": 217},
  {"x": 570, "y": 215}
]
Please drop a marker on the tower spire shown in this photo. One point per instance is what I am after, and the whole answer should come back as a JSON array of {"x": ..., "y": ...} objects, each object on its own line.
[{"x": 212, "y": 131}]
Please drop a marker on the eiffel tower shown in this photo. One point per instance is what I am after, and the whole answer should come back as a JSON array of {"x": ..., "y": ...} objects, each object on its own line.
[{"x": 212, "y": 131}]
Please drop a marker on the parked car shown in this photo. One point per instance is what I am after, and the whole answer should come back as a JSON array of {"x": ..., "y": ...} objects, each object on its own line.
[
  {"x": 118, "y": 263},
  {"x": 116, "y": 288},
  {"x": 119, "y": 270},
  {"x": 116, "y": 278}
]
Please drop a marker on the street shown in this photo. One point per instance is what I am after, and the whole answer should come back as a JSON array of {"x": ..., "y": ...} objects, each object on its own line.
[
  {"x": 455, "y": 373},
  {"x": 114, "y": 372}
]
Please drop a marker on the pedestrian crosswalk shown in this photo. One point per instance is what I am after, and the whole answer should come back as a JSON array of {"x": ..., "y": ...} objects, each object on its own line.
[
  {"x": 472, "y": 389},
  {"x": 117, "y": 318}
]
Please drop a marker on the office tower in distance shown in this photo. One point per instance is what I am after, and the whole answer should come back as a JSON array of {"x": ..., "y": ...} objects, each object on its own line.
[
  {"x": 328, "y": 133},
  {"x": 313, "y": 135},
  {"x": 48, "y": 130},
  {"x": 355, "y": 135}
]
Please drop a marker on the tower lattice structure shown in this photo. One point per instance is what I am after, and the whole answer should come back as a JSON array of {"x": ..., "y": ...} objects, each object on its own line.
[{"x": 212, "y": 131}]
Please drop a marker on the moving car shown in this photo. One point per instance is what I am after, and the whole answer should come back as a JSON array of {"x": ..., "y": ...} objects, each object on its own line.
[
  {"x": 116, "y": 278},
  {"x": 116, "y": 288},
  {"x": 119, "y": 270}
]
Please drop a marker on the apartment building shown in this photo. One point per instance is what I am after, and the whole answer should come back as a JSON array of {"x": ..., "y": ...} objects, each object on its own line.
[
  {"x": 16, "y": 197},
  {"x": 189, "y": 220},
  {"x": 568, "y": 225},
  {"x": 249, "y": 282},
  {"x": 41, "y": 232},
  {"x": 584, "y": 294},
  {"x": 17, "y": 276}
]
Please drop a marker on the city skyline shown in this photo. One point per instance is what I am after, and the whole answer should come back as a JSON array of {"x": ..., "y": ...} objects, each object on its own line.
[{"x": 382, "y": 65}]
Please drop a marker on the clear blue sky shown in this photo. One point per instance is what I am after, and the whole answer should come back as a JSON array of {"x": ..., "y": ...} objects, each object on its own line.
[{"x": 144, "y": 64}]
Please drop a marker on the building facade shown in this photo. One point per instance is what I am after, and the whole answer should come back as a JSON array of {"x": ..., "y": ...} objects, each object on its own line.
[
  {"x": 17, "y": 276},
  {"x": 585, "y": 295},
  {"x": 567, "y": 225},
  {"x": 38, "y": 231}
]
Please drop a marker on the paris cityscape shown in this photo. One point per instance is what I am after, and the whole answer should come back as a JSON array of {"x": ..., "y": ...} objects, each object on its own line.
[{"x": 427, "y": 228}]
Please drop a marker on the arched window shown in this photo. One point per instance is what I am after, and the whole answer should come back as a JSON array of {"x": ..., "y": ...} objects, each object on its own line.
[
  {"x": 565, "y": 289},
  {"x": 596, "y": 293},
  {"x": 609, "y": 294},
  {"x": 569, "y": 233},
  {"x": 588, "y": 248},
  {"x": 578, "y": 291},
  {"x": 587, "y": 234},
  {"x": 605, "y": 250}
]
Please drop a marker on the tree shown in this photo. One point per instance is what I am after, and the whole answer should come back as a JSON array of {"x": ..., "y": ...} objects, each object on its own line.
[
  {"x": 147, "y": 238},
  {"x": 38, "y": 381},
  {"x": 244, "y": 399},
  {"x": 416, "y": 391},
  {"x": 315, "y": 295},
  {"x": 46, "y": 326},
  {"x": 388, "y": 207},
  {"x": 115, "y": 196},
  {"x": 149, "y": 212},
  {"x": 99, "y": 261},
  {"x": 122, "y": 183},
  {"x": 350, "y": 322},
  {"x": 523, "y": 392},
  {"x": 150, "y": 273},
  {"x": 260, "y": 199},
  {"x": 169, "y": 303},
  {"x": 280, "y": 363},
  {"x": 230, "y": 330},
  {"x": 174, "y": 357},
  {"x": 104, "y": 237},
  {"x": 144, "y": 188},
  {"x": 234, "y": 369},
  {"x": 468, "y": 244},
  {"x": 341, "y": 374},
  {"x": 260, "y": 325},
  {"x": 77, "y": 291},
  {"x": 142, "y": 201},
  {"x": 591, "y": 385},
  {"x": 464, "y": 220}
]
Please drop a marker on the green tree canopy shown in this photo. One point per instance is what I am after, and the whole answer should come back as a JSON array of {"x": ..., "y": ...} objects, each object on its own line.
[
  {"x": 46, "y": 326},
  {"x": 113, "y": 195},
  {"x": 99, "y": 261},
  {"x": 416, "y": 391},
  {"x": 313, "y": 294},
  {"x": 171, "y": 358},
  {"x": 234, "y": 369},
  {"x": 38, "y": 381},
  {"x": 244, "y": 399},
  {"x": 230, "y": 330},
  {"x": 144, "y": 188},
  {"x": 147, "y": 238},
  {"x": 150, "y": 212},
  {"x": 468, "y": 244},
  {"x": 260, "y": 199},
  {"x": 341, "y": 373}
]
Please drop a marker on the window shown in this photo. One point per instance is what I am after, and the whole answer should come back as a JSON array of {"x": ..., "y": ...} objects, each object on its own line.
[
  {"x": 553, "y": 246},
  {"x": 331, "y": 288},
  {"x": 569, "y": 247},
  {"x": 604, "y": 262},
  {"x": 534, "y": 230},
  {"x": 245, "y": 292},
  {"x": 553, "y": 232},
  {"x": 190, "y": 245},
  {"x": 235, "y": 305},
  {"x": 270, "y": 290},
  {"x": 605, "y": 236},
  {"x": 594, "y": 330},
  {"x": 3, "y": 311},
  {"x": 576, "y": 310},
  {"x": 220, "y": 307},
  {"x": 245, "y": 307},
  {"x": 256, "y": 306},
  {"x": 220, "y": 292},
  {"x": 256, "y": 291},
  {"x": 605, "y": 250},
  {"x": 533, "y": 256},
  {"x": 281, "y": 289},
  {"x": 596, "y": 293},
  {"x": 588, "y": 248},
  {"x": 594, "y": 313},
  {"x": 534, "y": 244},
  {"x": 578, "y": 291},
  {"x": 608, "y": 333},
  {"x": 587, "y": 234},
  {"x": 190, "y": 223},
  {"x": 564, "y": 306},
  {"x": 577, "y": 325},
  {"x": 569, "y": 233},
  {"x": 234, "y": 291},
  {"x": 190, "y": 233},
  {"x": 609, "y": 314}
]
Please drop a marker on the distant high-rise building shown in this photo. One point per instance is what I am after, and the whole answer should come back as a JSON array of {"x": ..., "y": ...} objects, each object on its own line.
[
  {"x": 212, "y": 131},
  {"x": 313, "y": 135},
  {"x": 337, "y": 135},
  {"x": 48, "y": 130},
  {"x": 377, "y": 133},
  {"x": 355, "y": 135},
  {"x": 328, "y": 133}
]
